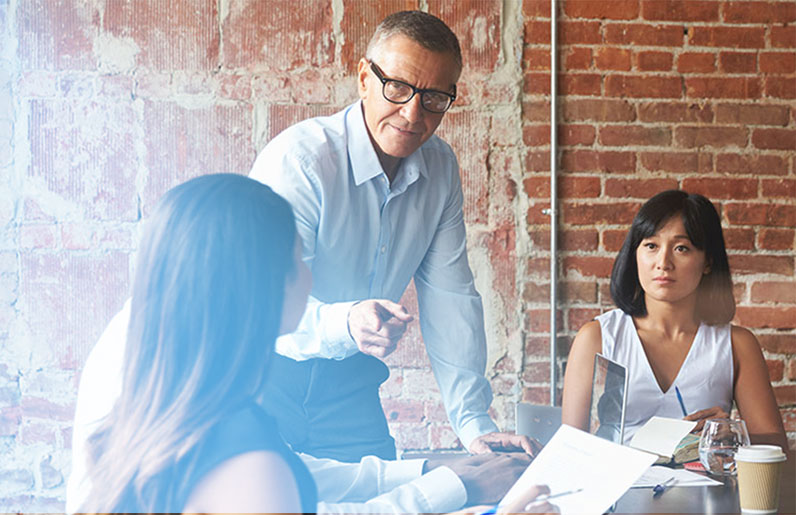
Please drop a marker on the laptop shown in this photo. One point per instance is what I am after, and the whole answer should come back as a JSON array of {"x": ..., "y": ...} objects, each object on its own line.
[{"x": 608, "y": 400}]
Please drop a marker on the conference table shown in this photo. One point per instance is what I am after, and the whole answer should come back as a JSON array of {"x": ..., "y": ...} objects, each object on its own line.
[{"x": 685, "y": 499}]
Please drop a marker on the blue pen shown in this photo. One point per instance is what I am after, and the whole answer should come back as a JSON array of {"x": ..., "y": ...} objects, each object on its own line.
[
  {"x": 658, "y": 489},
  {"x": 680, "y": 400}
]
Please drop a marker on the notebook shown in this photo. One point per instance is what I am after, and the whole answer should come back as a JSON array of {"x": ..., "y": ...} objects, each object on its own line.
[{"x": 608, "y": 399}]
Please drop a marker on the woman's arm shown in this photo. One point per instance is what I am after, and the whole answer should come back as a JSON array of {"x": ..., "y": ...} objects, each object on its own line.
[
  {"x": 752, "y": 390},
  {"x": 254, "y": 482},
  {"x": 578, "y": 376}
]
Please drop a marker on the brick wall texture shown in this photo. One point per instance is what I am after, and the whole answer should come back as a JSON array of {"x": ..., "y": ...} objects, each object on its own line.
[{"x": 105, "y": 104}]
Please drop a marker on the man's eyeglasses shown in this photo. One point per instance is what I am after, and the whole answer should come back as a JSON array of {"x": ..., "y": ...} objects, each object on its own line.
[{"x": 400, "y": 92}]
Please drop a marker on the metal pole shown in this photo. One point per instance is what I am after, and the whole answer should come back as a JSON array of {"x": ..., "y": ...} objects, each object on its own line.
[{"x": 553, "y": 197}]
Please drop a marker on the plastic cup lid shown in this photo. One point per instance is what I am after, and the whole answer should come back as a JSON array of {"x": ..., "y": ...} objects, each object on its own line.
[{"x": 760, "y": 453}]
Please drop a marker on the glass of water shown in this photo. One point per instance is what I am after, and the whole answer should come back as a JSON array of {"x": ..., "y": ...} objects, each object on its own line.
[{"x": 720, "y": 439}]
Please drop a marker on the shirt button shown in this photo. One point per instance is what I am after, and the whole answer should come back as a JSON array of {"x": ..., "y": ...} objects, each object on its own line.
[{"x": 383, "y": 249}]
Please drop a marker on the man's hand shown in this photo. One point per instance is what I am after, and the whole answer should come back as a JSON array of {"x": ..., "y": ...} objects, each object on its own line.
[
  {"x": 376, "y": 326},
  {"x": 702, "y": 415},
  {"x": 487, "y": 477},
  {"x": 503, "y": 441}
]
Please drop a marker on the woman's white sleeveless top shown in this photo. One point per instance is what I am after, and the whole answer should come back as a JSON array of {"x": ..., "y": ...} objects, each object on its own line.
[{"x": 705, "y": 378}]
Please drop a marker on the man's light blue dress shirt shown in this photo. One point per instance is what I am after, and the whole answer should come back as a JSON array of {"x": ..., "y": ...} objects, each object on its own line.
[{"x": 365, "y": 239}]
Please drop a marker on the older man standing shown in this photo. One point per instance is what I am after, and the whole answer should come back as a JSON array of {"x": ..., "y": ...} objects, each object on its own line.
[{"x": 378, "y": 201}]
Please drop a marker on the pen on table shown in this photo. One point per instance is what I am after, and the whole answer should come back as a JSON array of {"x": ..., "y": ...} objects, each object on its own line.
[
  {"x": 661, "y": 487},
  {"x": 680, "y": 400},
  {"x": 541, "y": 498}
]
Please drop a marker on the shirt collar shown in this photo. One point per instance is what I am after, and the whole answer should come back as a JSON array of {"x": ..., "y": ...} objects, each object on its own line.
[{"x": 365, "y": 164}]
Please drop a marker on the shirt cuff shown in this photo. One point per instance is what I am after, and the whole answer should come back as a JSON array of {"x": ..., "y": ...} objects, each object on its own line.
[
  {"x": 474, "y": 428},
  {"x": 442, "y": 489},
  {"x": 399, "y": 472},
  {"x": 336, "y": 332}
]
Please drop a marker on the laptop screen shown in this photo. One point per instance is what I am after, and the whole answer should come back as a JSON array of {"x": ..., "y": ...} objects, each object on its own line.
[{"x": 608, "y": 399}]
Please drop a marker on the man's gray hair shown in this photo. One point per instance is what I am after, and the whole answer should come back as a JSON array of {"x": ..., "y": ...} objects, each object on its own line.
[{"x": 425, "y": 29}]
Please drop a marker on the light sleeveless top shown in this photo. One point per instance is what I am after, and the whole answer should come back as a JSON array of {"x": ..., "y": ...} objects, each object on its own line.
[{"x": 705, "y": 379}]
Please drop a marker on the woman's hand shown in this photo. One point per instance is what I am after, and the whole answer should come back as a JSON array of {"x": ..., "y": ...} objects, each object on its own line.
[{"x": 702, "y": 415}]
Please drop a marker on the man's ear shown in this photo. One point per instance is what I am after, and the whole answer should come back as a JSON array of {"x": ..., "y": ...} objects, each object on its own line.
[{"x": 362, "y": 78}]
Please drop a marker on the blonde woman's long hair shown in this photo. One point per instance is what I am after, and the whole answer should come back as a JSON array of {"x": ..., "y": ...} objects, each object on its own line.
[{"x": 205, "y": 313}]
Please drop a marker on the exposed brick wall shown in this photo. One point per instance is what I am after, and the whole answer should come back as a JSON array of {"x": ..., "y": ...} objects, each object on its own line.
[{"x": 105, "y": 104}]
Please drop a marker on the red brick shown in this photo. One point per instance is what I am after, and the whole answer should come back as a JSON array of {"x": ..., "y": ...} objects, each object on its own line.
[
  {"x": 56, "y": 35},
  {"x": 119, "y": 87},
  {"x": 773, "y": 291},
  {"x": 38, "y": 236},
  {"x": 626, "y": 135},
  {"x": 588, "y": 266},
  {"x": 779, "y": 343},
  {"x": 579, "y": 33},
  {"x": 580, "y": 84},
  {"x": 536, "y": 111},
  {"x": 675, "y": 112},
  {"x": 777, "y": 62},
  {"x": 37, "y": 407},
  {"x": 572, "y": 187},
  {"x": 739, "y": 238},
  {"x": 570, "y": 135},
  {"x": 792, "y": 377},
  {"x": 774, "y": 139},
  {"x": 578, "y": 291},
  {"x": 443, "y": 437},
  {"x": 539, "y": 59},
  {"x": 711, "y": 136},
  {"x": 358, "y": 23},
  {"x": 613, "y": 239},
  {"x": 780, "y": 87},
  {"x": 696, "y": 62},
  {"x": 785, "y": 394},
  {"x": 536, "y": 32},
  {"x": 536, "y": 83},
  {"x": 643, "y": 86},
  {"x": 170, "y": 37},
  {"x": 310, "y": 86},
  {"x": 534, "y": 292},
  {"x": 536, "y": 372},
  {"x": 643, "y": 34},
  {"x": 537, "y": 161},
  {"x": 677, "y": 162},
  {"x": 774, "y": 215},
  {"x": 723, "y": 36},
  {"x": 95, "y": 287},
  {"x": 612, "y": 58},
  {"x": 783, "y": 37},
  {"x": 593, "y": 161},
  {"x": 779, "y": 188},
  {"x": 679, "y": 10},
  {"x": 538, "y": 320},
  {"x": 468, "y": 133},
  {"x": 637, "y": 188},
  {"x": 536, "y": 215},
  {"x": 37, "y": 83},
  {"x": 578, "y": 317},
  {"x": 752, "y": 114},
  {"x": 575, "y": 58},
  {"x": 738, "y": 62},
  {"x": 536, "y": 395},
  {"x": 654, "y": 61},
  {"x": 751, "y": 164},
  {"x": 607, "y": 213},
  {"x": 618, "y": 10},
  {"x": 759, "y": 12},
  {"x": 538, "y": 346},
  {"x": 536, "y": 135},
  {"x": 776, "y": 369},
  {"x": 722, "y": 87},
  {"x": 776, "y": 239},
  {"x": 567, "y": 239},
  {"x": 600, "y": 110},
  {"x": 745, "y": 264},
  {"x": 477, "y": 25},
  {"x": 277, "y": 35},
  {"x": 192, "y": 142},
  {"x": 403, "y": 410},
  {"x": 536, "y": 9}
]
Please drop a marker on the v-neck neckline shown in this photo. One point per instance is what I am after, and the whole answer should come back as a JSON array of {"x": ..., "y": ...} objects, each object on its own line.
[{"x": 650, "y": 371}]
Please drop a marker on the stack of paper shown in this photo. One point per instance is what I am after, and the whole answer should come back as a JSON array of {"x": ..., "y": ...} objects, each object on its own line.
[{"x": 657, "y": 475}]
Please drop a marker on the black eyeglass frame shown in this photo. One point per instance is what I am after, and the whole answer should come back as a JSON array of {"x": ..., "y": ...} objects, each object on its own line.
[{"x": 384, "y": 80}]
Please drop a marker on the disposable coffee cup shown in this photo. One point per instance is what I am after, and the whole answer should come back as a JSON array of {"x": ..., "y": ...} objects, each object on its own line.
[{"x": 758, "y": 477}]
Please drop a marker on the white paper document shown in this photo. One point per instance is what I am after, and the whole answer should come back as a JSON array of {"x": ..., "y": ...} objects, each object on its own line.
[
  {"x": 656, "y": 475},
  {"x": 661, "y": 435},
  {"x": 574, "y": 459}
]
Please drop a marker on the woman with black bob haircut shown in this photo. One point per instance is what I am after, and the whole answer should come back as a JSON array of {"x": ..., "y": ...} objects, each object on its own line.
[
  {"x": 218, "y": 277},
  {"x": 671, "y": 282}
]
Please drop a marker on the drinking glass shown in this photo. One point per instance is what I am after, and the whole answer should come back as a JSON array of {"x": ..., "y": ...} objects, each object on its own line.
[{"x": 720, "y": 439}]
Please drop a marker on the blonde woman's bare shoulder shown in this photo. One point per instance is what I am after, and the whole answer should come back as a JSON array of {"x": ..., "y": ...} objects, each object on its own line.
[{"x": 253, "y": 482}]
